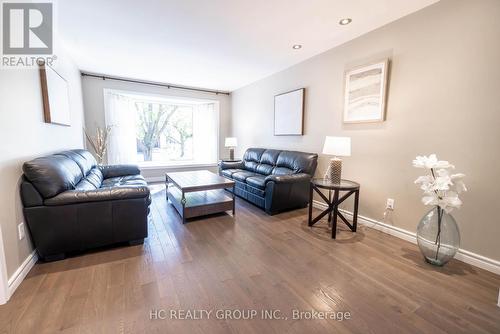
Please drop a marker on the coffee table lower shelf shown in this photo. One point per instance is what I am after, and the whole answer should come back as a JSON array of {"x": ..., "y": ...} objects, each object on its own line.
[{"x": 200, "y": 203}]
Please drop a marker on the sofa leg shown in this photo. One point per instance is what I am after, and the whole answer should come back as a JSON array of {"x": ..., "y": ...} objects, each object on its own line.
[
  {"x": 54, "y": 257},
  {"x": 136, "y": 242},
  {"x": 271, "y": 213}
]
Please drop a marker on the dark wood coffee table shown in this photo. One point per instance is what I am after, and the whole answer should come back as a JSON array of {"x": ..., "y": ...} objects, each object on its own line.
[{"x": 199, "y": 193}]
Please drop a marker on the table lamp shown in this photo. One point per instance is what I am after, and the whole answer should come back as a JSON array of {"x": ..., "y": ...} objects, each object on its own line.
[
  {"x": 231, "y": 143},
  {"x": 338, "y": 147}
]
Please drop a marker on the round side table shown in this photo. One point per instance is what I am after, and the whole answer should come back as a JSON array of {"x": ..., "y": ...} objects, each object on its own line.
[{"x": 349, "y": 187}]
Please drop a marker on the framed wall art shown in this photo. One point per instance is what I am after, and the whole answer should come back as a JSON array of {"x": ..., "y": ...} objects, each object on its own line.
[
  {"x": 289, "y": 113},
  {"x": 55, "y": 95},
  {"x": 365, "y": 90}
]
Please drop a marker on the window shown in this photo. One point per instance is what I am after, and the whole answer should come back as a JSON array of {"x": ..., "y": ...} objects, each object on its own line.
[{"x": 156, "y": 131}]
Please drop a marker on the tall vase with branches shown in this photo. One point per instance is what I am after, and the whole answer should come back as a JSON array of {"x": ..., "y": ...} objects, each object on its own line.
[
  {"x": 437, "y": 234},
  {"x": 99, "y": 142}
]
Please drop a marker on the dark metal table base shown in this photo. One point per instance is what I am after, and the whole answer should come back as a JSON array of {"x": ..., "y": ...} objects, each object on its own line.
[{"x": 333, "y": 208}]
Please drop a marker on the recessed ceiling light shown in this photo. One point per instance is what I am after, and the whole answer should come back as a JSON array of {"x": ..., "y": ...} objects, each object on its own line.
[
  {"x": 297, "y": 46},
  {"x": 345, "y": 21}
]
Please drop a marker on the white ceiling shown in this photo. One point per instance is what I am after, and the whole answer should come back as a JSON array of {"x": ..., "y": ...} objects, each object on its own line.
[{"x": 218, "y": 44}]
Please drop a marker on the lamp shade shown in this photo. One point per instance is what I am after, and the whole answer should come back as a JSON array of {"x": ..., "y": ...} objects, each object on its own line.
[
  {"x": 338, "y": 146},
  {"x": 231, "y": 142}
]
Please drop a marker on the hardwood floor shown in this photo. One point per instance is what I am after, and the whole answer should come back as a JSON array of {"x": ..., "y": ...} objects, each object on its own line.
[{"x": 253, "y": 261}]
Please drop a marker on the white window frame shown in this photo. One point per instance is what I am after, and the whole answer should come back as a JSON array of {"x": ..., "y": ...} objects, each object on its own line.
[{"x": 172, "y": 99}]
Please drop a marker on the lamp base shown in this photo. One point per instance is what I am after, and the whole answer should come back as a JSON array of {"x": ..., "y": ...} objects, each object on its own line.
[
  {"x": 231, "y": 154},
  {"x": 335, "y": 170}
]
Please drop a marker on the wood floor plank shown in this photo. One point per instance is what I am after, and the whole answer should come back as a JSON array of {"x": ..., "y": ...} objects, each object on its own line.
[{"x": 253, "y": 262}]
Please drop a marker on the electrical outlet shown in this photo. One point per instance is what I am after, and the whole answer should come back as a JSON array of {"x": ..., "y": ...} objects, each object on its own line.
[
  {"x": 390, "y": 204},
  {"x": 20, "y": 231}
]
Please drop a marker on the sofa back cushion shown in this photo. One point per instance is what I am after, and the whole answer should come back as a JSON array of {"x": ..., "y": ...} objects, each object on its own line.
[
  {"x": 251, "y": 158},
  {"x": 53, "y": 174},
  {"x": 83, "y": 158},
  {"x": 278, "y": 162},
  {"x": 296, "y": 162},
  {"x": 92, "y": 181},
  {"x": 268, "y": 161}
]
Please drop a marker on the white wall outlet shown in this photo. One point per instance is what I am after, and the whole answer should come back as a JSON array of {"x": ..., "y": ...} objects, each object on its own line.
[
  {"x": 390, "y": 204},
  {"x": 20, "y": 231}
]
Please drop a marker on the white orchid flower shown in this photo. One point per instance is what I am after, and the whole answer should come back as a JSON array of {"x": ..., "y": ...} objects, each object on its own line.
[
  {"x": 431, "y": 199},
  {"x": 440, "y": 188},
  {"x": 430, "y": 162},
  {"x": 443, "y": 164},
  {"x": 425, "y": 182},
  {"x": 442, "y": 183},
  {"x": 450, "y": 202},
  {"x": 458, "y": 184},
  {"x": 423, "y": 161},
  {"x": 424, "y": 179},
  {"x": 442, "y": 172}
]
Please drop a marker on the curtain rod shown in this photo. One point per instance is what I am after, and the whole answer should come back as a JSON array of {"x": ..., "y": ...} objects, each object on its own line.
[{"x": 105, "y": 77}]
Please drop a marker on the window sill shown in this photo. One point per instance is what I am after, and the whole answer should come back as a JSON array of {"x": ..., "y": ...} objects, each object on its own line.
[{"x": 167, "y": 167}]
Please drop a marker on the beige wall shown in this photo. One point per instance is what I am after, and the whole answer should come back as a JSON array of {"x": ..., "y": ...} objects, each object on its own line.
[
  {"x": 93, "y": 99},
  {"x": 23, "y": 136},
  {"x": 443, "y": 98}
]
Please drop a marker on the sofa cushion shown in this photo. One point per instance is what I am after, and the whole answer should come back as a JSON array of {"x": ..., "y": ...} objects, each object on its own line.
[
  {"x": 230, "y": 172},
  {"x": 124, "y": 181},
  {"x": 85, "y": 185},
  {"x": 253, "y": 154},
  {"x": 92, "y": 181},
  {"x": 98, "y": 195},
  {"x": 298, "y": 162},
  {"x": 251, "y": 158},
  {"x": 250, "y": 165},
  {"x": 242, "y": 176},
  {"x": 53, "y": 174},
  {"x": 264, "y": 169},
  {"x": 269, "y": 157},
  {"x": 84, "y": 159},
  {"x": 282, "y": 171},
  {"x": 95, "y": 177},
  {"x": 257, "y": 181}
]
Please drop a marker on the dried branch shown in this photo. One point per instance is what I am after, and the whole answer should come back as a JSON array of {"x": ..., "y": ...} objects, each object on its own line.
[{"x": 99, "y": 143}]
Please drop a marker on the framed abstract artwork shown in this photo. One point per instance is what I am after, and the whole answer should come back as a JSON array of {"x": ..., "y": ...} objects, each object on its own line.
[
  {"x": 365, "y": 90},
  {"x": 289, "y": 113}
]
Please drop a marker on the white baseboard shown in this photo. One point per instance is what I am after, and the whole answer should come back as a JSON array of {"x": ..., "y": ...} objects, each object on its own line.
[
  {"x": 21, "y": 272},
  {"x": 462, "y": 254}
]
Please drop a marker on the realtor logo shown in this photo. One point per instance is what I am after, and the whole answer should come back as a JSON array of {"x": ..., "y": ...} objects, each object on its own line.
[{"x": 27, "y": 28}]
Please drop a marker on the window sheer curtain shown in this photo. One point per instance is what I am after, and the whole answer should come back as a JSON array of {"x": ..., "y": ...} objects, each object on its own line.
[
  {"x": 121, "y": 116},
  {"x": 206, "y": 133}
]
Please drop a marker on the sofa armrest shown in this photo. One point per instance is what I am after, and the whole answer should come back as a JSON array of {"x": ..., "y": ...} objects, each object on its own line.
[
  {"x": 98, "y": 195},
  {"x": 231, "y": 165},
  {"x": 29, "y": 195},
  {"x": 291, "y": 178},
  {"x": 285, "y": 192},
  {"x": 119, "y": 170}
]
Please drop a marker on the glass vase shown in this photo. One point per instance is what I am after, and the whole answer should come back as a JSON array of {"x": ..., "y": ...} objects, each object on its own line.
[{"x": 438, "y": 236}]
